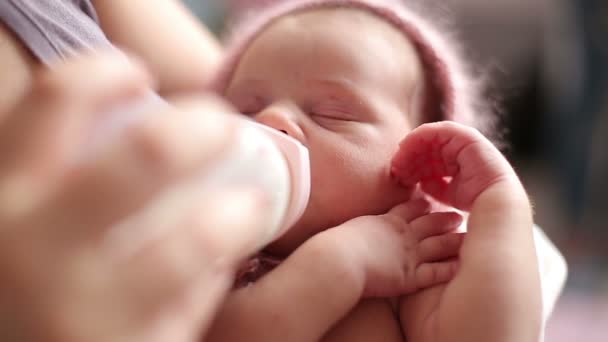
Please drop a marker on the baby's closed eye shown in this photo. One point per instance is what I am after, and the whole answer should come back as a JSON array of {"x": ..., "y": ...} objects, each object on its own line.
[{"x": 337, "y": 110}]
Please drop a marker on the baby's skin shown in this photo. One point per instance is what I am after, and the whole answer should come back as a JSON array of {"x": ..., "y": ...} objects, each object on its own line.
[
  {"x": 490, "y": 277},
  {"x": 369, "y": 234},
  {"x": 497, "y": 285}
]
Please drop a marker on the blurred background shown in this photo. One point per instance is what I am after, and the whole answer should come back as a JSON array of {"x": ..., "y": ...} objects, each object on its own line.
[{"x": 548, "y": 65}]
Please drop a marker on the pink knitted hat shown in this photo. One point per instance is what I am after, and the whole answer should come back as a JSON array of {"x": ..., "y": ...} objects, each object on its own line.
[{"x": 450, "y": 93}]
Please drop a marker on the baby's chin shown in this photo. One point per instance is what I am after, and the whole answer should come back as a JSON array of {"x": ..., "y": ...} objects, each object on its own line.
[{"x": 317, "y": 218}]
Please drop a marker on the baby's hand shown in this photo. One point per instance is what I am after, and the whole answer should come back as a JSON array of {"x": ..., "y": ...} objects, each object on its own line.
[
  {"x": 460, "y": 167},
  {"x": 405, "y": 250},
  {"x": 453, "y": 163}
]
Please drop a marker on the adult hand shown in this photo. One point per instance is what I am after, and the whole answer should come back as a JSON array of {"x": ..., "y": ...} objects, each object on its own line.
[{"x": 122, "y": 246}]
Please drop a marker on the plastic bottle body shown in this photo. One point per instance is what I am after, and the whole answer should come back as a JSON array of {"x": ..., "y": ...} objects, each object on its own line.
[
  {"x": 259, "y": 157},
  {"x": 272, "y": 163}
]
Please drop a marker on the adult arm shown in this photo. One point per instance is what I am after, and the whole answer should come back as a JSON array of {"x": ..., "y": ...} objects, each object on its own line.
[{"x": 179, "y": 50}]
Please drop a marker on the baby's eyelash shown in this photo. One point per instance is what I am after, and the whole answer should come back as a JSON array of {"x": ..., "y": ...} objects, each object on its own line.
[{"x": 332, "y": 111}]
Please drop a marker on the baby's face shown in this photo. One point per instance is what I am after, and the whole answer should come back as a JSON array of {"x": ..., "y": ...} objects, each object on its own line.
[{"x": 345, "y": 84}]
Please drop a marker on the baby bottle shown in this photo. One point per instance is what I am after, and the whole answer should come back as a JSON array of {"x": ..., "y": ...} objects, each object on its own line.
[
  {"x": 275, "y": 163},
  {"x": 259, "y": 157}
]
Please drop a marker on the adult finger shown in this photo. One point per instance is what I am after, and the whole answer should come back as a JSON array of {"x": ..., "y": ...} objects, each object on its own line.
[
  {"x": 412, "y": 209},
  {"x": 47, "y": 127},
  {"x": 436, "y": 224},
  {"x": 440, "y": 247},
  {"x": 62, "y": 100},
  {"x": 430, "y": 274},
  {"x": 178, "y": 257},
  {"x": 152, "y": 155}
]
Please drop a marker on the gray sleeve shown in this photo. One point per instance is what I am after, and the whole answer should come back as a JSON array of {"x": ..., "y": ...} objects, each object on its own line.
[{"x": 54, "y": 29}]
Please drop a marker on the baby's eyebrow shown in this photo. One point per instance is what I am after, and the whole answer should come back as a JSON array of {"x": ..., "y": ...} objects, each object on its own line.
[
  {"x": 244, "y": 87},
  {"x": 343, "y": 88},
  {"x": 339, "y": 87},
  {"x": 340, "y": 83}
]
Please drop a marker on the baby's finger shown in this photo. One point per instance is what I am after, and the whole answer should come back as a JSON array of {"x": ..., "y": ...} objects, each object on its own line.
[
  {"x": 420, "y": 157},
  {"x": 436, "y": 224},
  {"x": 435, "y": 151},
  {"x": 438, "y": 188},
  {"x": 412, "y": 209},
  {"x": 431, "y": 274},
  {"x": 440, "y": 247}
]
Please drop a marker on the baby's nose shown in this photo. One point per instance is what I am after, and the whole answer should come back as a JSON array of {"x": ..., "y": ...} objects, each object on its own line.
[{"x": 281, "y": 119}]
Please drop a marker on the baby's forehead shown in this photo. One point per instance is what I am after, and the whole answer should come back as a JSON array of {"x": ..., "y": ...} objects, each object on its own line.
[
  {"x": 351, "y": 36},
  {"x": 345, "y": 16},
  {"x": 353, "y": 21},
  {"x": 408, "y": 32}
]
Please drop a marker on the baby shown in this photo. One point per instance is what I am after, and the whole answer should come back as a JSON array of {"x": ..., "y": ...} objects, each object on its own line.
[{"x": 350, "y": 79}]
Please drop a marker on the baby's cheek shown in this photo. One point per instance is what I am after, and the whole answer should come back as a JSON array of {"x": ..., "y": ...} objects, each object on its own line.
[{"x": 372, "y": 194}]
